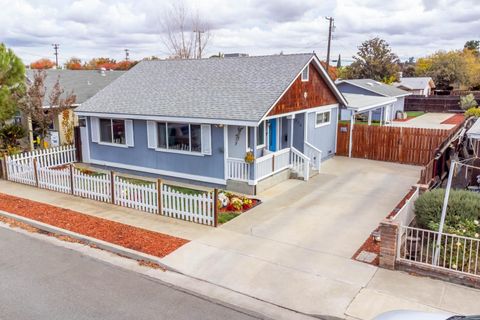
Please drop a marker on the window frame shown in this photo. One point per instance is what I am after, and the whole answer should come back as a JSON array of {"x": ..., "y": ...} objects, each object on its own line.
[
  {"x": 307, "y": 69},
  {"x": 318, "y": 125},
  {"x": 263, "y": 145},
  {"x": 167, "y": 149},
  {"x": 111, "y": 143}
]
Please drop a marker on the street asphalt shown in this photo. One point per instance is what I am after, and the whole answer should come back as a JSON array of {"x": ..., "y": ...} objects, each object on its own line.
[{"x": 39, "y": 280}]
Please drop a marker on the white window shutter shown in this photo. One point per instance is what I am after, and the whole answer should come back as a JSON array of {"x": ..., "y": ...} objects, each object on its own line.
[
  {"x": 152, "y": 134},
  {"x": 129, "y": 133},
  {"x": 206, "y": 139},
  {"x": 95, "y": 129}
]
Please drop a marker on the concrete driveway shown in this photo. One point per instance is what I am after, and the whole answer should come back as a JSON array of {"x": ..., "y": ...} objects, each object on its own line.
[
  {"x": 430, "y": 120},
  {"x": 294, "y": 250}
]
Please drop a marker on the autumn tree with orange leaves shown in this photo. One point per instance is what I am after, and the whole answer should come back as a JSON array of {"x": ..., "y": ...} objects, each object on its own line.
[
  {"x": 74, "y": 64},
  {"x": 42, "y": 64}
]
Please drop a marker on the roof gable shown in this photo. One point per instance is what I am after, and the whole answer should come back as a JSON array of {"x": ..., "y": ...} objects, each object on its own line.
[{"x": 303, "y": 95}]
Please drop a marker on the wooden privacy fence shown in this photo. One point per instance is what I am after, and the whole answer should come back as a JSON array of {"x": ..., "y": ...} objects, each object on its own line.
[
  {"x": 395, "y": 144},
  {"x": 149, "y": 196},
  {"x": 433, "y": 103}
]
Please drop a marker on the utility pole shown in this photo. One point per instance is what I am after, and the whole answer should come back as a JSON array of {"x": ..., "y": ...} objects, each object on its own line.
[
  {"x": 127, "y": 54},
  {"x": 55, "y": 47},
  {"x": 199, "y": 37},
  {"x": 330, "y": 29}
]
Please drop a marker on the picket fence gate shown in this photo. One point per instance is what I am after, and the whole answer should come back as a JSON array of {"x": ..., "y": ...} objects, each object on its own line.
[{"x": 56, "y": 172}]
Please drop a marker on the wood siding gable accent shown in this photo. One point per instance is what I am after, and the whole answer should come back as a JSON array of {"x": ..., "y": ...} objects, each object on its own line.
[{"x": 318, "y": 94}]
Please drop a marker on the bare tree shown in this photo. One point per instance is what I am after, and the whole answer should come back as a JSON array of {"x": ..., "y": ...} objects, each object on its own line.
[
  {"x": 33, "y": 104},
  {"x": 185, "y": 35}
]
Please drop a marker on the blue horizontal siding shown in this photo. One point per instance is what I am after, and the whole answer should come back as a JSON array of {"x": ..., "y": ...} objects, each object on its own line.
[{"x": 140, "y": 155}]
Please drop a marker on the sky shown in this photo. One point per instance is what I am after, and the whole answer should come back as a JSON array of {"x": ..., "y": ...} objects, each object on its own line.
[{"x": 104, "y": 28}]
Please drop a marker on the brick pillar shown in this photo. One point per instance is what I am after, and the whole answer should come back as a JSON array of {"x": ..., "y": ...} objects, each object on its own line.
[{"x": 388, "y": 245}]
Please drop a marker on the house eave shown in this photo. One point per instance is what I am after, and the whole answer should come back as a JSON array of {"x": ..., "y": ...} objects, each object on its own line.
[{"x": 168, "y": 118}]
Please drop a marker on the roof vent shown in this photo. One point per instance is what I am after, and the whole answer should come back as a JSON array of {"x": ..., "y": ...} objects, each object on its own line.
[
  {"x": 103, "y": 71},
  {"x": 370, "y": 84}
]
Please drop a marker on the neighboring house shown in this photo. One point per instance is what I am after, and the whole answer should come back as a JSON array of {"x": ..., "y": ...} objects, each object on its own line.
[
  {"x": 420, "y": 86},
  {"x": 84, "y": 84},
  {"x": 195, "y": 120},
  {"x": 362, "y": 97}
]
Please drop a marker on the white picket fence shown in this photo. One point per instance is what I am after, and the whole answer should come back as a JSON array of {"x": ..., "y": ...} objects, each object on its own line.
[
  {"x": 96, "y": 187},
  {"x": 198, "y": 208},
  {"x": 142, "y": 197},
  {"x": 46, "y": 157},
  {"x": 55, "y": 172}
]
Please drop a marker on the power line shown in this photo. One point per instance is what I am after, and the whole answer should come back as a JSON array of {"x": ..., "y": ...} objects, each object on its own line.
[
  {"x": 55, "y": 47},
  {"x": 330, "y": 27}
]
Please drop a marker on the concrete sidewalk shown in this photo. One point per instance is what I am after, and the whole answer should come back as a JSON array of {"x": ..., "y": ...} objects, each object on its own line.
[{"x": 153, "y": 222}]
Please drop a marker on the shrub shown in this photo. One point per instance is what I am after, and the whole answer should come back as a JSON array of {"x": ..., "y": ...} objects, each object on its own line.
[
  {"x": 463, "y": 211},
  {"x": 472, "y": 112},
  {"x": 468, "y": 102},
  {"x": 10, "y": 134}
]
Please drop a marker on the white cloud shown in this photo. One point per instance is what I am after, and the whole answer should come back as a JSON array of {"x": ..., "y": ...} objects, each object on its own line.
[{"x": 92, "y": 28}]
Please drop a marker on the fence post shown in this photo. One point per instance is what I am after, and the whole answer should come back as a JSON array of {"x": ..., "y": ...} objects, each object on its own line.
[
  {"x": 215, "y": 207},
  {"x": 112, "y": 185},
  {"x": 159, "y": 195},
  {"x": 71, "y": 179},
  {"x": 35, "y": 171},
  {"x": 5, "y": 173}
]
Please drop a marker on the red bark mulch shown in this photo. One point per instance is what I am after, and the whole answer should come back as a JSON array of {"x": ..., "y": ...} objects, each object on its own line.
[
  {"x": 369, "y": 245},
  {"x": 153, "y": 243},
  {"x": 456, "y": 119}
]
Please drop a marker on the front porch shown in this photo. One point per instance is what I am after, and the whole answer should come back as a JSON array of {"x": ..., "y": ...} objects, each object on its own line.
[{"x": 279, "y": 151}]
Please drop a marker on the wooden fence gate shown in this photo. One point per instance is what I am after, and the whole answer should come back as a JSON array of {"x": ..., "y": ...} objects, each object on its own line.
[{"x": 394, "y": 144}]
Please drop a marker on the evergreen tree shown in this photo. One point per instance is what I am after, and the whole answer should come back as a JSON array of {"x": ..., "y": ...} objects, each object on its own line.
[{"x": 12, "y": 82}]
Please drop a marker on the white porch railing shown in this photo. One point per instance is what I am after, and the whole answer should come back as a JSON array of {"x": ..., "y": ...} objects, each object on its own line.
[
  {"x": 238, "y": 169},
  {"x": 456, "y": 253},
  {"x": 314, "y": 154},
  {"x": 300, "y": 164}
]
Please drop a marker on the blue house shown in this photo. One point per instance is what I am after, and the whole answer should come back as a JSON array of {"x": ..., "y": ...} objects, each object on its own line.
[
  {"x": 239, "y": 123},
  {"x": 378, "y": 101}
]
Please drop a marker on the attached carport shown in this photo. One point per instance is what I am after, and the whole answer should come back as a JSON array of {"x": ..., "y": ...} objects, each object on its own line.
[{"x": 360, "y": 104}]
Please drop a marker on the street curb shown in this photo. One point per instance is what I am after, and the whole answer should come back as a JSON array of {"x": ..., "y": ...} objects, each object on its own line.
[{"x": 104, "y": 245}]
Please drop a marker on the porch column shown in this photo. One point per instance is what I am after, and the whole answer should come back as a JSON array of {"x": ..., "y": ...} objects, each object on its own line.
[
  {"x": 381, "y": 115},
  {"x": 291, "y": 118},
  {"x": 352, "y": 123},
  {"x": 370, "y": 117}
]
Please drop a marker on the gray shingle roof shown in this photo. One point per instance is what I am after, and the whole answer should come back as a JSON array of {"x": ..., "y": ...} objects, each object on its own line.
[
  {"x": 84, "y": 83},
  {"x": 362, "y": 102},
  {"x": 377, "y": 87},
  {"x": 414, "y": 83},
  {"x": 241, "y": 88}
]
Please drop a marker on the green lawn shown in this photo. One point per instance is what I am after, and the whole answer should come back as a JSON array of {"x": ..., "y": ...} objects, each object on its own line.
[
  {"x": 227, "y": 216},
  {"x": 374, "y": 122},
  {"x": 412, "y": 114}
]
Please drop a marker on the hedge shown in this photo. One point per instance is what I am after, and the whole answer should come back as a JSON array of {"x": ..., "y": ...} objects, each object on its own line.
[{"x": 463, "y": 211}]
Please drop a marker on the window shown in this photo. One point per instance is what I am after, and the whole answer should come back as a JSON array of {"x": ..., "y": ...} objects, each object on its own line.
[
  {"x": 112, "y": 131},
  {"x": 179, "y": 136},
  {"x": 322, "y": 118},
  {"x": 261, "y": 134},
  {"x": 305, "y": 73}
]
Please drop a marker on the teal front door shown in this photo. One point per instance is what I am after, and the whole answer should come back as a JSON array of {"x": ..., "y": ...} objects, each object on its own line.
[{"x": 272, "y": 134}]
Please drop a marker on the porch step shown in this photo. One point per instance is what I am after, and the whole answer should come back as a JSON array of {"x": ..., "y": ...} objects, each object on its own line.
[{"x": 295, "y": 175}]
